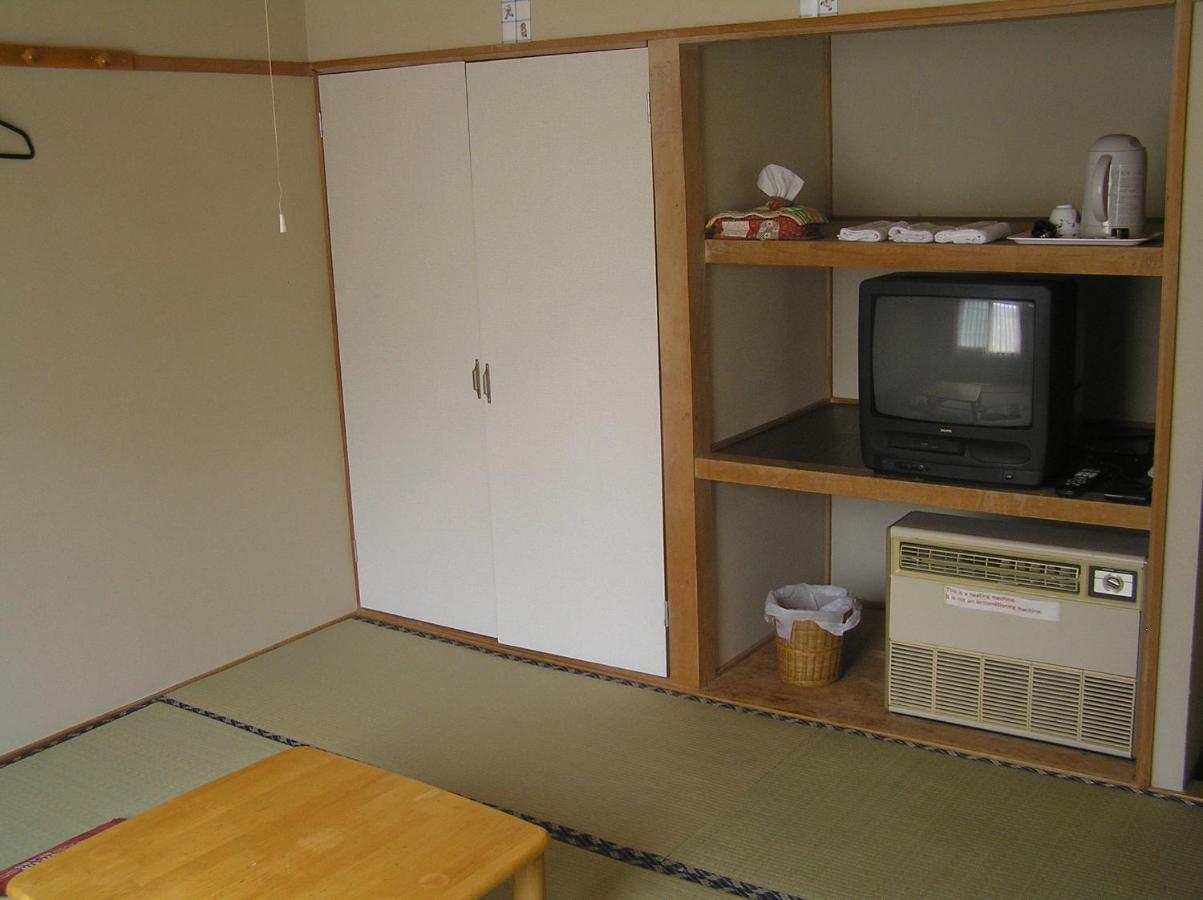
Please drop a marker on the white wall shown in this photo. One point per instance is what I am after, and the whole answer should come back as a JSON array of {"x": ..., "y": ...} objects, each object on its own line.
[{"x": 171, "y": 476}]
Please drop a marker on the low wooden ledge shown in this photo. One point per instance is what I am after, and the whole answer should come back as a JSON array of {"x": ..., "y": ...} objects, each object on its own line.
[{"x": 31, "y": 56}]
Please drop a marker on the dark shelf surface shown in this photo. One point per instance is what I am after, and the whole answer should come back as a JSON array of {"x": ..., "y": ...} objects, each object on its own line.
[
  {"x": 818, "y": 451},
  {"x": 825, "y": 435}
]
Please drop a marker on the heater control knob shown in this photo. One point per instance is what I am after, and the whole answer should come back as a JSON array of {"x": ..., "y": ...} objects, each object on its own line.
[{"x": 1113, "y": 584}]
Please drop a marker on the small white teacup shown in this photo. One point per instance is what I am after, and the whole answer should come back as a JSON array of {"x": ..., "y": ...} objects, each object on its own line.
[{"x": 1066, "y": 220}]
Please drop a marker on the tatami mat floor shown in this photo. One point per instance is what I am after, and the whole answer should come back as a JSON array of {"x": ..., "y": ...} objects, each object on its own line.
[
  {"x": 647, "y": 794},
  {"x": 160, "y": 751}
]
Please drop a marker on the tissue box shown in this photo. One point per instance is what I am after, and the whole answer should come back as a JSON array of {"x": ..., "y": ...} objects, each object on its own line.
[{"x": 773, "y": 222}]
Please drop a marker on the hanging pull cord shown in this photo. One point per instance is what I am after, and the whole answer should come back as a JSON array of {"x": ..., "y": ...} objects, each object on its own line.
[{"x": 271, "y": 80}]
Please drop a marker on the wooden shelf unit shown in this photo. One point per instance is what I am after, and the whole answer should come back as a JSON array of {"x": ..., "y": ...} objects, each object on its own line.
[{"x": 795, "y": 452}]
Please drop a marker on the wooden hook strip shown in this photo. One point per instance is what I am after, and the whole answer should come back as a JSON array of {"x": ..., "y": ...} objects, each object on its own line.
[
  {"x": 27, "y": 56},
  {"x": 64, "y": 57}
]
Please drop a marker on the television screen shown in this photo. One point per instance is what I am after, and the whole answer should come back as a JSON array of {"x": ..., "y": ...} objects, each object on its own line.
[{"x": 954, "y": 360}]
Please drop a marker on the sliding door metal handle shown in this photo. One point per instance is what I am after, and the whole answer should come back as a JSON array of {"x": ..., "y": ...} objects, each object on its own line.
[
  {"x": 476, "y": 379},
  {"x": 488, "y": 385}
]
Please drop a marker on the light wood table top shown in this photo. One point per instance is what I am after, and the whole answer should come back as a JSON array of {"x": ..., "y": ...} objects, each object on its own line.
[{"x": 297, "y": 824}]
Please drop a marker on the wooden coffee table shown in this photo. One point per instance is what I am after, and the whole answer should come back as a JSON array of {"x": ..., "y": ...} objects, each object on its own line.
[{"x": 301, "y": 823}]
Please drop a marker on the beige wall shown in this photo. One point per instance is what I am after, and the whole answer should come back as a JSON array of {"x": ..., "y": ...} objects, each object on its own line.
[
  {"x": 341, "y": 28},
  {"x": 929, "y": 121},
  {"x": 211, "y": 28},
  {"x": 171, "y": 475},
  {"x": 765, "y": 539},
  {"x": 365, "y": 27}
]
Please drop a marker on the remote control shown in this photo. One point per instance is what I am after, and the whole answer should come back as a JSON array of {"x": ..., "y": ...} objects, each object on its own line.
[{"x": 1079, "y": 482}]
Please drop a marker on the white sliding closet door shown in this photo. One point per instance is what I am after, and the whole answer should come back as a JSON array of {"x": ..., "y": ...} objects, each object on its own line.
[
  {"x": 561, "y": 170},
  {"x": 399, "y": 185}
]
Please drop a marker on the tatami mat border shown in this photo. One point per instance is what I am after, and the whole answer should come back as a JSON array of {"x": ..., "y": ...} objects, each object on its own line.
[
  {"x": 651, "y": 861},
  {"x": 226, "y": 720},
  {"x": 71, "y": 735},
  {"x": 781, "y": 717}
]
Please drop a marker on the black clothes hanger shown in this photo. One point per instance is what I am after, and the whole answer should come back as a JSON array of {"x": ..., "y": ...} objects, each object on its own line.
[{"x": 28, "y": 143}]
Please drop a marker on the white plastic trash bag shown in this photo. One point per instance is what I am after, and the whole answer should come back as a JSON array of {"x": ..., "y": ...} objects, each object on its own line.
[{"x": 827, "y": 605}]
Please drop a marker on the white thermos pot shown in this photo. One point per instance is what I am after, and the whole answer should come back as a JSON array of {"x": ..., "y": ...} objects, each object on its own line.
[{"x": 1113, "y": 203}]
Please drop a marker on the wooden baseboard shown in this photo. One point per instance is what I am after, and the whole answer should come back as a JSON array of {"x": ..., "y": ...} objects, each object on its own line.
[
  {"x": 96, "y": 720},
  {"x": 488, "y": 643},
  {"x": 740, "y": 657}
]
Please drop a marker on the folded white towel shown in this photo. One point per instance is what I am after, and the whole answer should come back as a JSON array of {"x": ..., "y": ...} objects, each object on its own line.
[
  {"x": 870, "y": 232},
  {"x": 974, "y": 233},
  {"x": 918, "y": 233}
]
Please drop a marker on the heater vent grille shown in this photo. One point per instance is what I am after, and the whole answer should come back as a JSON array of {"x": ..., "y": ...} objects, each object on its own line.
[
  {"x": 990, "y": 568},
  {"x": 1108, "y": 704},
  {"x": 1056, "y": 702},
  {"x": 1065, "y": 705},
  {"x": 911, "y": 676},
  {"x": 1006, "y": 692},
  {"x": 958, "y": 684}
]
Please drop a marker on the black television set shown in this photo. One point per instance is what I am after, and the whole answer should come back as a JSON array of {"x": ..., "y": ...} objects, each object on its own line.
[{"x": 966, "y": 377}]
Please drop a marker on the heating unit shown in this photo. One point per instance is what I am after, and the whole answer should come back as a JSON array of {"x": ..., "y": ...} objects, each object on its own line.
[{"x": 1022, "y": 627}]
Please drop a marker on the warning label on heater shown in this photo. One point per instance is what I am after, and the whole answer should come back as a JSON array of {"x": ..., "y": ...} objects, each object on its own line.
[{"x": 1048, "y": 610}]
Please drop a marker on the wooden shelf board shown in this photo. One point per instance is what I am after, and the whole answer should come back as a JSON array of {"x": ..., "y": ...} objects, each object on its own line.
[
  {"x": 818, "y": 452},
  {"x": 857, "y": 701},
  {"x": 1002, "y": 256}
]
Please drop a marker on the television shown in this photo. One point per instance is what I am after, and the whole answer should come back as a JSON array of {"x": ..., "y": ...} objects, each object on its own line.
[{"x": 966, "y": 377}]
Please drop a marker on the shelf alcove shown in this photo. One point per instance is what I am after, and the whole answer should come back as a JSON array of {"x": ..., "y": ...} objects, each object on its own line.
[{"x": 927, "y": 118}]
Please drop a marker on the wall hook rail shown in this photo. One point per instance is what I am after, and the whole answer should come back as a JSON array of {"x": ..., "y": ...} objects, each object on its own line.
[{"x": 26, "y": 56}]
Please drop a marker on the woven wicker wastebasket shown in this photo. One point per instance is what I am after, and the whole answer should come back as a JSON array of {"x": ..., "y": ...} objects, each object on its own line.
[{"x": 811, "y": 656}]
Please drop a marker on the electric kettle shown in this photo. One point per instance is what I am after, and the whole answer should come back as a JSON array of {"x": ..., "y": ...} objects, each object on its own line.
[{"x": 1113, "y": 202}]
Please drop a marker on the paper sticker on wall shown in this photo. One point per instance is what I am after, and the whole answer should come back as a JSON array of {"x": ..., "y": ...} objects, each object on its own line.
[
  {"x": 988, "y": 601},
  {"x": 515, "y": 21}
]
